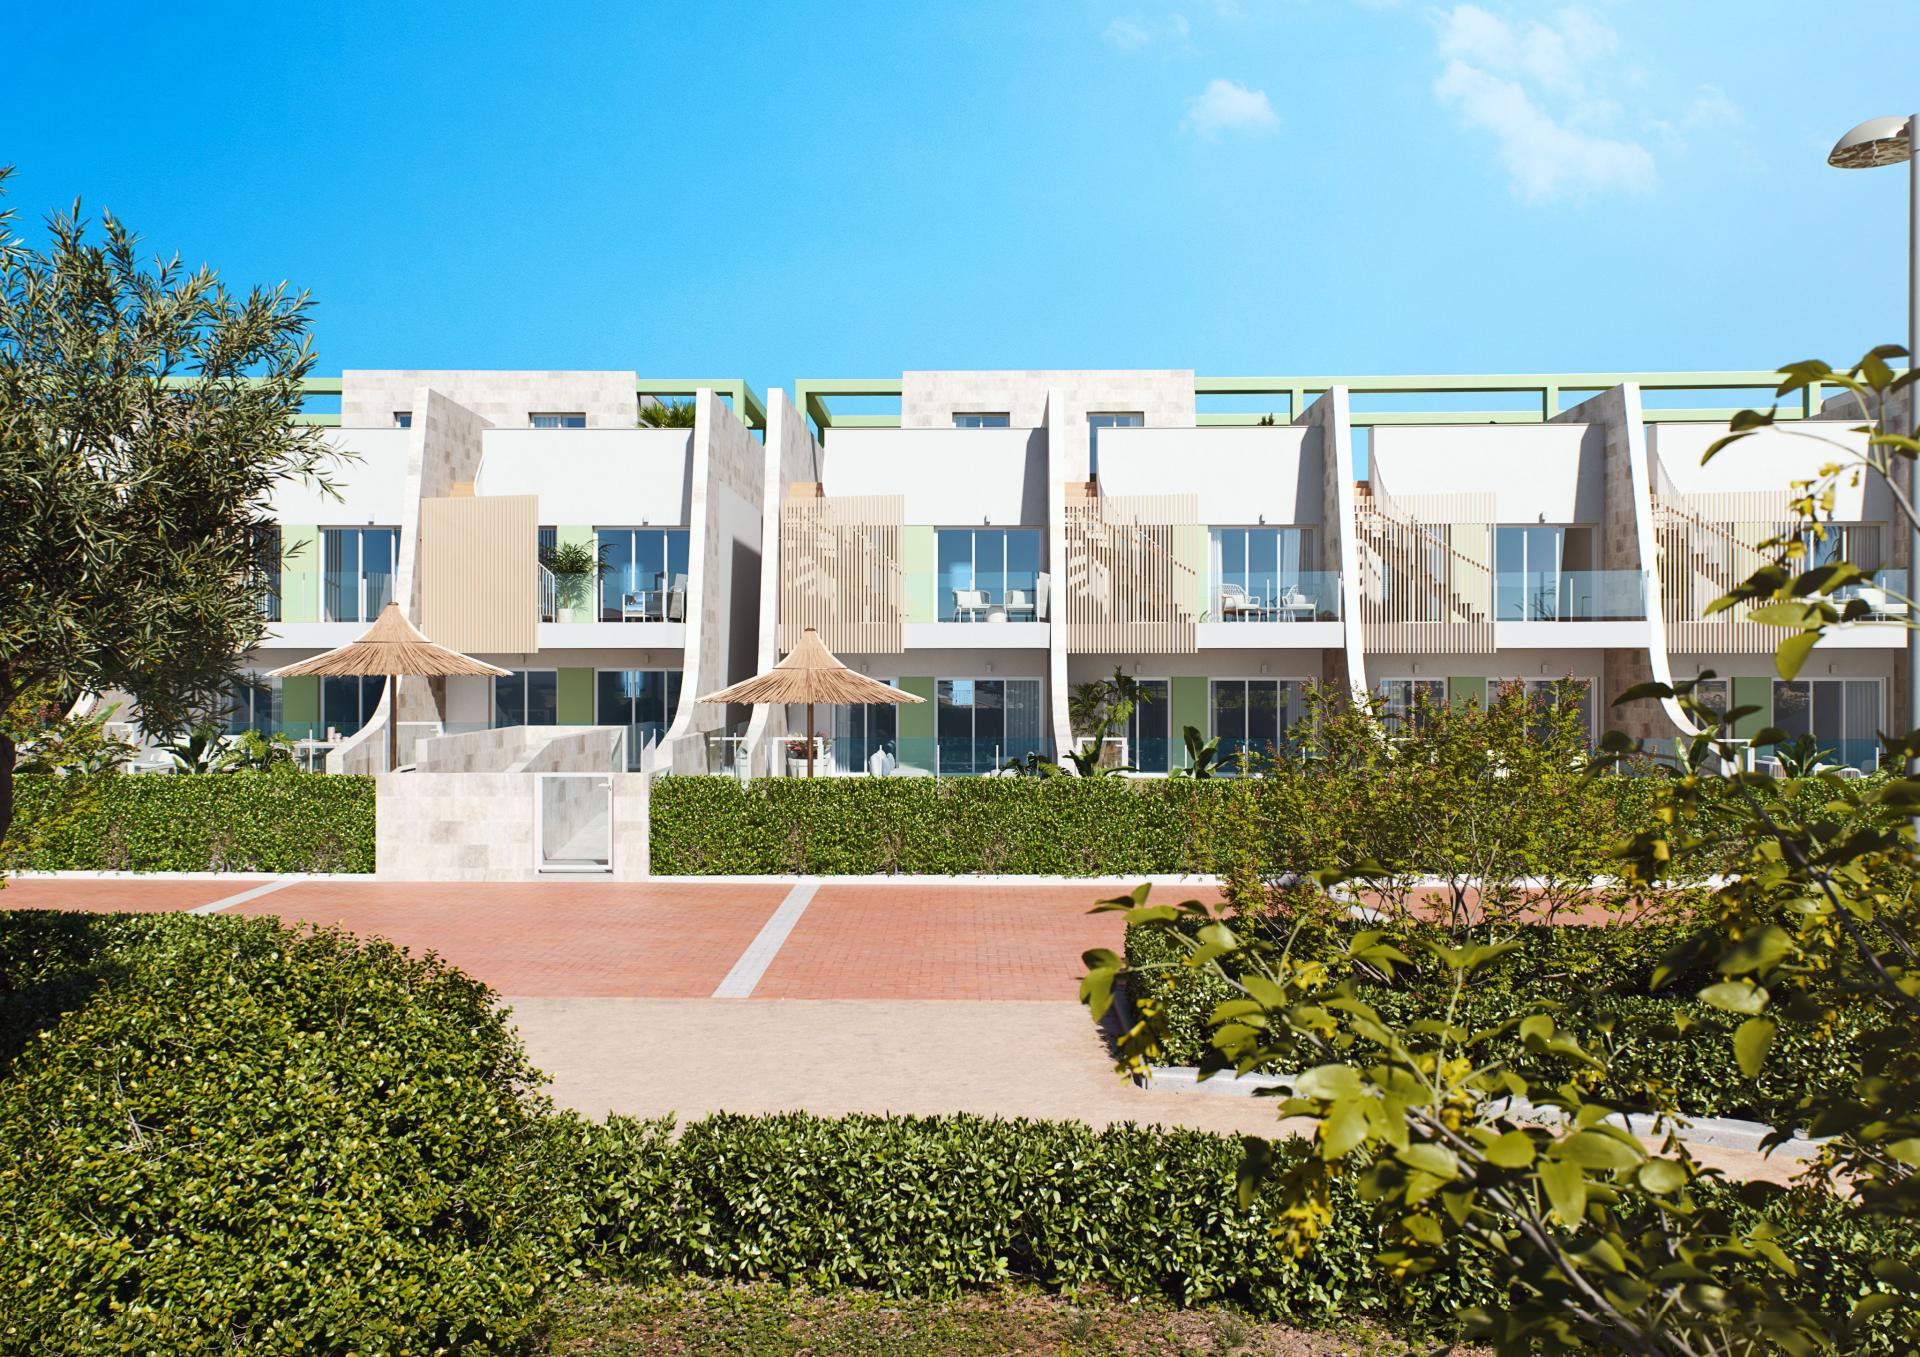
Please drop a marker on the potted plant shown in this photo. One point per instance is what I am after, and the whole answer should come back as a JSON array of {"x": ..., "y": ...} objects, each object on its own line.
[
  {"x": 797, "y": 755},
  {"x": 575, "y": 566}
]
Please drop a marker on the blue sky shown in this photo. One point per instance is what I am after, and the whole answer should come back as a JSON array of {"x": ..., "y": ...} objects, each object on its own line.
[{"x": 788, "y": 190}]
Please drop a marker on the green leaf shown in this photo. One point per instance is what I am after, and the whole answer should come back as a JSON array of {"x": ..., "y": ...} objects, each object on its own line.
[
  {"x": 1906, "y": 1151},
  {"x": 1793, "y": 652},
  {"x": 1662, "y": 1177},
  {"x": 1430, "y": 1158},
  {"x": 1751, "y": 1042},
  {"x": 1344, "y": 1128},
  {"x": 1897, "y": 1274},
  {"x": 1566, "y": 1188},
  {"x": 1735, "y": 996},
  {"x": 1256, "y": 1161},
  {"x": 1328, "y": 1083},
  {"x": 1514, "y": 1150},
  {"x": 1759, "y": 950},
  {"x": 1598, "y": 1150}
]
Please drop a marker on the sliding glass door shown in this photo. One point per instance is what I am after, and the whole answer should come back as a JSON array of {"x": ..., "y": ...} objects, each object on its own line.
[
  {"x": 646, "y": 576},
  {"x": 359, "y": 565},
  {"x": 981, "y": 723},
  {"x": 1841, "y": 715},
  {"x": 642, "y": 700},
  {"x": 1254, "y": 716},
  {"x": 983, "y": 569}
]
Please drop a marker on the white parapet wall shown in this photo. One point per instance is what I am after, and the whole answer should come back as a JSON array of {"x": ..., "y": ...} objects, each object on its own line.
[{"x": 481, "y": 827}]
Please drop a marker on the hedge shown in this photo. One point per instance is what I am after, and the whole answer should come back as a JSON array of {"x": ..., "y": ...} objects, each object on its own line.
[
  {"x": 218, "y": 1135},
  {"x": 1601, "y": 976},
  {"x": 225, "y": 822}
]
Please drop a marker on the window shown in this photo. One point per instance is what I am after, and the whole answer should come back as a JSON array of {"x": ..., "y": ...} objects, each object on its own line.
[
  {"x": 267, "y": 549},
  {"x": 526, "y": 697},
  {"x": 1406, "y": 699},
  {"x": 573, "y": 420},
  {"x": 1854, "y": 542},
  {"x": 1543, "y": 573},
  {"x": 346, "y": 704},
  {"x": 1256, "y": 716},
  {"x": 1716, "y": 695},
  {"x": 1110, "y": 420},
  {"x": 1841, "y": 715},
  {"x": 642, "y": 700},
  {"x": 857, "y": 733},
  {"x": 646, "y": 577},
  {"x": 983, "y": 570},
  {"x": 981, "y": 723},
  {"x": 979, "y": 420},
  {"x": 1149, "y": 746},
  {"x": 359, "y": 565},
  {"x": 403, "y": 419},
  {"x": 1551, "y": 693},
  {"x": 254, "y": 704},
  {"x": 1264, "y": 575}
]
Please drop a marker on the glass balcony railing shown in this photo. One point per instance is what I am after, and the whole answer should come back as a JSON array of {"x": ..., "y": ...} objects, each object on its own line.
[
  {"x": 1277, "y": 596},
  {"x": 1569, "y": 596},
  {"x": 1885, "y": 596}
]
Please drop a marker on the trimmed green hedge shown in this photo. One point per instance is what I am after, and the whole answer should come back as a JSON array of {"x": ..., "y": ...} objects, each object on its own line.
[
  {"x": 218, "y": 1135},
  {"x": 225, "y": 822},
  {"x": 1601, "y": 975}
]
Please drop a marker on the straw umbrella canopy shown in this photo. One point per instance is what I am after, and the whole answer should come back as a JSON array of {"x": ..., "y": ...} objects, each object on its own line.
[
  {"x": 392, "y": 646},
  {"x": 811, "y": 674}
]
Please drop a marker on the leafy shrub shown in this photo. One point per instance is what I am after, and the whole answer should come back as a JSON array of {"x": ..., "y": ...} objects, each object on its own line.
[
  {"x": 236, "y": 1137},
  {"x": 1602, "y": 976},
  {"x": 145, "y": 823}
]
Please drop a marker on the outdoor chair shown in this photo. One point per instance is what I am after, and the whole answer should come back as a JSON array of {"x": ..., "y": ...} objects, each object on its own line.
[
  {"x": 1020, "y": 601},
  {"x": 1236, "y": 602},
  {"x": 968, "y": 604}
]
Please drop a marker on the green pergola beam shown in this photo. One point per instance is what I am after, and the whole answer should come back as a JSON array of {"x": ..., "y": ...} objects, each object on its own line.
[{"x": 746, "y": 401}]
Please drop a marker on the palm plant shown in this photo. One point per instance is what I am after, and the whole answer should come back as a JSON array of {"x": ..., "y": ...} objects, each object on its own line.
[
  {"x": 1203, "y": 758},
  {"x": 668, "y": 414},
  {"x": 198, "y": 751}
]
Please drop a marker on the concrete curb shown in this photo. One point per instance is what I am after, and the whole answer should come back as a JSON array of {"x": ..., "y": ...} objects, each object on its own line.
[{"x": 1726, "y": 1133}]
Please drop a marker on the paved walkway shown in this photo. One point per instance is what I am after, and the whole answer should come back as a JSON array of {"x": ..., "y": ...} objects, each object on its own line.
[{"x": 688, "y": 997}]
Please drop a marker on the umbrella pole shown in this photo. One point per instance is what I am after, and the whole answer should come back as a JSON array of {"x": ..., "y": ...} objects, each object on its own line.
[
  {"x": 393, "y": 721},
  {"x": 809, "y": 739}
]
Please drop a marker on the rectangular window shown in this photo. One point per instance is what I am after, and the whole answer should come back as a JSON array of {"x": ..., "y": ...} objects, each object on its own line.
[
  {"x": 984, "y": 571},
  {"x": 1149, "y": 745},
  {"x": 1551, "y": 693},
  {"x": 403, "y": 419},
  {"x": 1408, "y": 698},
  {"x": 1112, "y": 419},
  {"x": 1545, "y": 573},
  {"x": 359, "y": 565},
  {"x": 646, "y": 577},
  {"x": 1716, "y": 695},
  {"x": 979, "y": 420},
  {"x": 864, "y": 738},
  {"x": 1257, "y": 717},
  {"x": 979, "y": 724},
  {"x": 526, "y": 697},
  {"x": 557, "y": 420},
  {"x": 254, "y": 704},
  {"x": 347, "y": 704},
  {"x": 1841, "y": 716},
  {"x": 267, "y": 552},
  {"x": 1266, "y": 575},
  {"x": 642, "y": 700}
]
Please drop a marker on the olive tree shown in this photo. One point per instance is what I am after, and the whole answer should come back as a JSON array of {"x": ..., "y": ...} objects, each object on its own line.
[
  {"x": 1599, "y": 1238},
  {"x": 146, "y": 413}
]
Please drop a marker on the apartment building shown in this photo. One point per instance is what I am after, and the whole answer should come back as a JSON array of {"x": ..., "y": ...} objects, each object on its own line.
[
  {"x": 457, "y": 494},
  {"x": 994, "y": 539},
  {"x": 1008, "y": 536}
]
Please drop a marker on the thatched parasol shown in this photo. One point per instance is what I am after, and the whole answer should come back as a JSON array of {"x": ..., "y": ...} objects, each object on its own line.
[
  {"x": 392, "y": 646},
  {"x": 810, "y": 674}
]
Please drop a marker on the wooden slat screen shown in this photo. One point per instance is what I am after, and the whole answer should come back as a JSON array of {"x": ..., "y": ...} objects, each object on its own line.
[
  {"x": 841, "y": 573},
  {"x": 1133, "y": 571},
  {"x": 1707, "y": 544},
  {"x": 479, "y": 575},
  {"x": 1426, "y": 578}
]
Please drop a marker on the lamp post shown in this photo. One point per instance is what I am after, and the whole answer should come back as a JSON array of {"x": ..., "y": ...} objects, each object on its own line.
[{"x": 1889, "y": 141}]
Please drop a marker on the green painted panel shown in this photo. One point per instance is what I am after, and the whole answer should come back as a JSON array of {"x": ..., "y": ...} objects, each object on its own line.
[
  {"x": 300, "y": 706},
  {"x": 1752, "y": 692},
  {"x": 1187, "y": 705},
  {"x": 1472, "y": 690},
  {"x": 917, "y": 562},
  {"x": 300, "y": 575},
  {"x": 574, "y": 534},
  {"x": 916, "y": 719},
  {"x": 575, "y": 697}
]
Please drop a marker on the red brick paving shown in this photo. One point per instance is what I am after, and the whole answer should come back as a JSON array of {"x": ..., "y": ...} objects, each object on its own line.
[
  {"x": 123, "y": 896},
  {"x": 913, "y": 941},
  {"x": 551, "y": 938}
]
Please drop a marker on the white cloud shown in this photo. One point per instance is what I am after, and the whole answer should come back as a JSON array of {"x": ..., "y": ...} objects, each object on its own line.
[
  {"x": 1529, "y": 86},
  {"x": 1131, "y": 35},
  {"x": 1224, "y": 106}
]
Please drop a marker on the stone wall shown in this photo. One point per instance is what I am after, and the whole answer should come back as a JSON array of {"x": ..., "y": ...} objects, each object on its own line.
[
  {"x": 1059, "y": 401},
  {"x": 524, "y": 749},
  {"x": 1332, "y": 417},
  {"x": 480, "y": 827},
  {"x": 791, "y": 454},
  {"x": 369, "y": 398}
]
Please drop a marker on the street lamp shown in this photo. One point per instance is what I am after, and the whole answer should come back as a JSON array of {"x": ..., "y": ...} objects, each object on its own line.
[{"x": 1888, "y": 141}]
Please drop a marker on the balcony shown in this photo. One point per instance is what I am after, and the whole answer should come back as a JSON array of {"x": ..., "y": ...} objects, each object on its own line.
[
  {"x": 1276, "y": 596},
  {"x": 1570, "y": 596}
]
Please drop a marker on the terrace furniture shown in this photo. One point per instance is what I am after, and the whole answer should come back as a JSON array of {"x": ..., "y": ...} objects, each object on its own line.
[
  {"x": 1020, "y": 603},
  {"x": 1294, "y": 606},
  {"x": 1877, "y": 599},
  {"x": 1237, "y": 604},
  {"x": 1043, "y": 586},
  {"x": 968, "y": 604},
  {"x": 637, "y": 605},
  {"x": 674, "y": 606}
]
